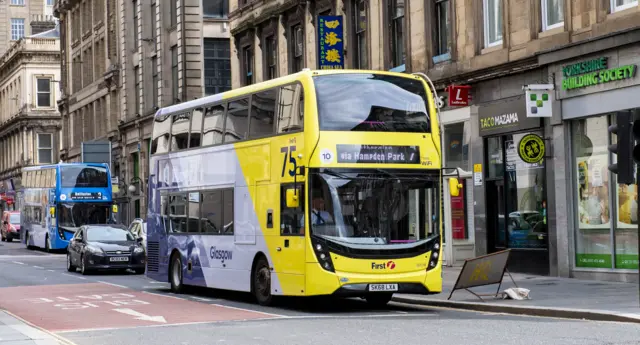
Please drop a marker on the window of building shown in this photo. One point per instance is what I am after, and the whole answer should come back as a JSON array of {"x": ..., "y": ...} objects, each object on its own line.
[
  {"x": 154, "y": 82},
  {"x": 237, "y": 120},
  {"x": 396, "y": 23},
  {"x": 49, "y": 2},
  {"x": 263, "y": 112},
  {"x": 247, "y": 62},
  {"x": 174, "y": 74},
  {"x": 271, "y": 57},
  {"x": 18, "y": 2},
  {"x": 173, "y": 12},
  {"x": 43, "y": 92},
  {"x": 492, "y": 23},
  {"x": 217, "y": 65},
  {"x": 45, "y": 148},
  {"x": 297, "y": 48},
  {"x": 621, "y": 5},
  {"x": 215, "y": 8},
  {"x": 17, "y": 28},
  {"x": 154, "y": 28},
  {"x": 456, "y": 145},
  {"x": 290, "y": 109},
  {"x": 552, "y": 14},
  {"x": 443, "y": 27},
  {"x": 196, "y": 128},
  {"x": 360, "y": 22},
  {"x": 136, "y": 35},
  {"x": 213, "y": 127},
  {"x": 136, "y": 91},
  {"x": 599, "y": 218}
]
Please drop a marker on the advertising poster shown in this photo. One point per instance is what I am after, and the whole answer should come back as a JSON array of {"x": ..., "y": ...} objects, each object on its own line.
[
  {"x": 627, "y": 227},
  {"x": 594, "y": 239},
  {"x": 458, "y": 219}
]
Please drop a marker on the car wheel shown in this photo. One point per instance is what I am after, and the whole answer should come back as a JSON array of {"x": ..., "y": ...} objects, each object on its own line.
[
  {"x": 83, "y": 266},
  {"x": 378, "y": 299},
  {"x": 140, "y": 271},
  {"x": 262, "y": 282},
  {"x": 2, "y": 237},
  {"x": 70, "y": 266},
  {"x": 8, "y": 239},
  {"x": 176, "y": 274}
]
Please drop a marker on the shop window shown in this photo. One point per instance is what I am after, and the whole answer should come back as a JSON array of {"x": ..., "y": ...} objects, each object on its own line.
[
  {"x": 590, "y": 157},
  {"x": 456, "y": 141}
]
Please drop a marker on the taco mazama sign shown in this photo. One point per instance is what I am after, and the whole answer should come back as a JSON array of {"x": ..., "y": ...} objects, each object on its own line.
[{"x": 505, "y": 116}]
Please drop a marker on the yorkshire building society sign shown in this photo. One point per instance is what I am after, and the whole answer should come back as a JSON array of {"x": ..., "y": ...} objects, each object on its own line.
[{"x": 594, "y": 72}]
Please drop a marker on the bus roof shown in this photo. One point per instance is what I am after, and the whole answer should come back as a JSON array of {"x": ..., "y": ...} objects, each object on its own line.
[
  {"x": 49, "y": 166},
  {"x": 176, "y": 108}
]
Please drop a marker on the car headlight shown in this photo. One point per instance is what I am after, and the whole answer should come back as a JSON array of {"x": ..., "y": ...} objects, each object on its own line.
[
  {"x": 138, "y": 250},
  {"x": 95, "y": 250}
]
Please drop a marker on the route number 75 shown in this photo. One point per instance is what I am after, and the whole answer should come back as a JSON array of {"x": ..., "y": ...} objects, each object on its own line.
[{"x": 289, "y": 158}]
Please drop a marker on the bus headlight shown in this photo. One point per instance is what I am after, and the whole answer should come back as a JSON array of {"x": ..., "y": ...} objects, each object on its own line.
[{"x": 324, "y": 258}]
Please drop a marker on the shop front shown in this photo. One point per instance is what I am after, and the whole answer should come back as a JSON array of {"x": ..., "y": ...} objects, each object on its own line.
[
  {"x": 459, "y": 239},
  {"x": 595, "y": 91},
  {"x": 514, "y": 180}
]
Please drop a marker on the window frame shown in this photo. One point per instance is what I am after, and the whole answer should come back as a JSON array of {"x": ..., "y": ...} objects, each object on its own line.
[
  {"x": 294, "y": 57},
  {"x": 18, "y": 22},
  {"x": 201, "y": 193},
  {"x": 213, "y": 44},
  {"x": 615, "y": 8},
  {"x": 359, "y": 35},
  {"x": 50, "y": 148},
  {"x": 136, "y": 34},
  {"x": 50, "y": 92},
  {"x": 19, "y": 3},
  {"x": 437, "y": 34},
  {"x": 173, "y": 13},
  {"x": 393, "y": 40},
  {"x": 223, "y": 11},
  {"x": 486, "y": 22},
  {"x": 544, "y": 6},
  {"x": 247, "y": 66},
  {"x": 175, "y": 89},
  {"x": 136, "y": 94}
]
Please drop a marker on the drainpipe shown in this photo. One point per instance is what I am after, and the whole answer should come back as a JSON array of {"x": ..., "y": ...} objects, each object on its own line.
[{"x": 184, "y": 51}]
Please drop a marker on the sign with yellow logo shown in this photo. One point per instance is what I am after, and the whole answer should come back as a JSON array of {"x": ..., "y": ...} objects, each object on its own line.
[
  {"x": 331, "y": 42},
  {"x": 531, "y": 148}
]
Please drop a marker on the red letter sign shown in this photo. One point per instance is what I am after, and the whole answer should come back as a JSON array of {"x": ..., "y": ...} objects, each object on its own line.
[{"x": 459, "y": 95}]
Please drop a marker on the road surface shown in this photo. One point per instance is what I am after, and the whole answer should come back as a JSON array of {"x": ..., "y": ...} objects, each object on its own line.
[{"x": 126, "y": 309}]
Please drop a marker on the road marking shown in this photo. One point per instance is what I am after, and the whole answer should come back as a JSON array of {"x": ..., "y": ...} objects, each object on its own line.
[
  {"x": 38, "y": 267},
  {"x": 112, "y": 284},
  {"x": 51, "y": 271},
  {"x": 156, "y": 282},
  {"x": 165, "y": 295},
  {"x": 249, "y": 310},
  {"x": 60, "y": 339},
  {"x": 141, "y": 316},
  {"x": 201, "y": 299},
  {"x": 18, "y": 262}
]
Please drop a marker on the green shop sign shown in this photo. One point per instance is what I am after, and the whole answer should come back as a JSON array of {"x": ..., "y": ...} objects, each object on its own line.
[{"x": 594, "y": 72}]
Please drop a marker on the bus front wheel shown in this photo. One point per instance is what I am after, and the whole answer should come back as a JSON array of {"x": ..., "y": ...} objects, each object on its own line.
[
  {"x": 262, "y": 282},
  {"x": 26, "y": 240},
  {"x": 378, "y": 299},
  {"x": 175, "y": 274}
]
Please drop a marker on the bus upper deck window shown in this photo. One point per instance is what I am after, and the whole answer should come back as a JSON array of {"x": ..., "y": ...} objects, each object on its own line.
[
  {"x": 291, "y": 108},
  {"x": 196, "y": 128}
]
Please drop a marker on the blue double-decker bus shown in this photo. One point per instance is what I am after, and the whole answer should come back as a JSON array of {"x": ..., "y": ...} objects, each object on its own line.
[{"x": 57, "y": 199}]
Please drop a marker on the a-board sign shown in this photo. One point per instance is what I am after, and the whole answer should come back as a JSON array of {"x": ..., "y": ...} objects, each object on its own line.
[{"x": 483, "y": 270}]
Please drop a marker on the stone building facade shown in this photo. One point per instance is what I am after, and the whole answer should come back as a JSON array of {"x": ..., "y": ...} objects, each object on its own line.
[
  {"x": 145, "y": 54},
  {"x": 30, "y": 124},
  {"x": 20, "y": 18},
  {"x": 497, "y": 48}
]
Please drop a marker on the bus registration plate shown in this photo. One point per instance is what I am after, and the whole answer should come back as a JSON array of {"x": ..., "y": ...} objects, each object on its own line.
[
  {"x": 119, "y": 258},
  {"x": 383, "y": 287}
]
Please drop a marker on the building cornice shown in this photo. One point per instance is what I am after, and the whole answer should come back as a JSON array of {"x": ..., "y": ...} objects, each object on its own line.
[{"x": 266, "y": 10}]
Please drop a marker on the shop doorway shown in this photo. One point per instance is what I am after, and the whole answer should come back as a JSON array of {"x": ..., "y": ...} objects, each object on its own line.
[{"x": 516, "y": 205}]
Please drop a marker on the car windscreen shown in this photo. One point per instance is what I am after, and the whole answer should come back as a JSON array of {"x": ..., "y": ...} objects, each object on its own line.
[{"x": 108, "y": 234}]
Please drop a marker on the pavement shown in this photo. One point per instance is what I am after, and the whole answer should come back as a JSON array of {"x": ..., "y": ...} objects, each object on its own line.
[
  {"x": 45, "y": 304},
  {"x": 549, "y": 296}
]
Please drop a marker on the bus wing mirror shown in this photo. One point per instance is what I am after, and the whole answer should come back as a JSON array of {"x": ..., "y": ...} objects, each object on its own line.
[
  {"x": 114, "y": 208},
  {"x": 454, "y": 186},
  {"x": 292, "y": 198}
]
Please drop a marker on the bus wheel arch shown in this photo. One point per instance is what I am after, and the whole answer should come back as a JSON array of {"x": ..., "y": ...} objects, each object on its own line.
[
  {"x": 175, "y": 262},
  {"x": 260, "y": 264}
]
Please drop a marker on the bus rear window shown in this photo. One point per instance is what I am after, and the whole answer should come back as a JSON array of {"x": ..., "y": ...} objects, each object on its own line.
[
  {"x": 84, "y": 176},
  {"x": 371, "y": 103}
]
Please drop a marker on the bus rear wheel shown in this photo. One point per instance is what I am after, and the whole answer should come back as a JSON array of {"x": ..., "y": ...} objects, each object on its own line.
[
  {"x": 262, "y": 282},
  {"x": 26, "y": 240},
  {"x": 175, "y": 274},
  {"x": 379, "y": 299},
  {"x": 47, "y": 248}
]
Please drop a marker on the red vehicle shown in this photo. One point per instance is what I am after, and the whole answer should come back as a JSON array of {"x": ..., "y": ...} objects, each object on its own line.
[{"x": 10, "y": 227}]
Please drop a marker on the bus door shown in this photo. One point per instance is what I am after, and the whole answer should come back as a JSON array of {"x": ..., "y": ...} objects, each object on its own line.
[{"x": 291, "y": 244}]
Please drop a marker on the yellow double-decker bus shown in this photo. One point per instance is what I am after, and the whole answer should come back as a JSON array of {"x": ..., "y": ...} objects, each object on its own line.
[{"x": 316, "y": 183}]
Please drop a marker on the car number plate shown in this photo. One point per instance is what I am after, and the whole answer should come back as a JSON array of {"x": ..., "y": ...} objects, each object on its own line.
[
  {"x": 383, "y": 287},
  {"x": 120, "y": 258}
]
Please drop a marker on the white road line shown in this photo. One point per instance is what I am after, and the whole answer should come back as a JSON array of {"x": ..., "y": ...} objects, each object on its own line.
[
  {"x": 248, "y": 310},
  {"x": 164, "y": 295},
  {"x": 18, "y": 262},
  {"x": 112, "y": 284},
  {"x": 202, "y": 299},
  {"x": 38, "y": 267},
  {"x": 74, "y": 276},
  {"x": 157, "y": 282},
  {"x": 151, "y": 326},
  {"x": 51, "y": 271}
]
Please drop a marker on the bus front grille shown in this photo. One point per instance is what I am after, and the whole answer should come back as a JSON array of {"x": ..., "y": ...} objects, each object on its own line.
[{"x": 153, "y": 258}]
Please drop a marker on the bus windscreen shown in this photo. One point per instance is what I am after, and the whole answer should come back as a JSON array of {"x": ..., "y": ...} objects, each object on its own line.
[
  {"x": 84, "y": 176},
  {"x": 366, "y": 102}
]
